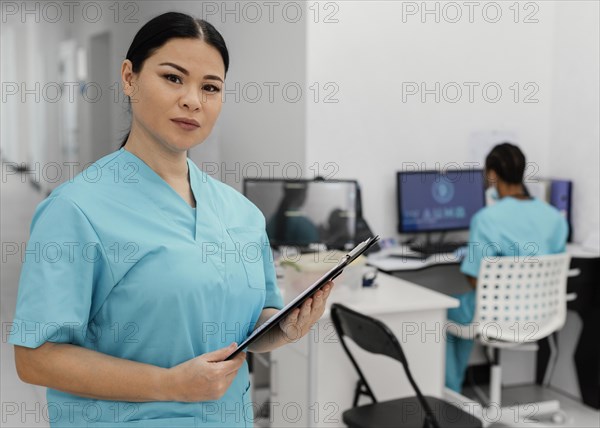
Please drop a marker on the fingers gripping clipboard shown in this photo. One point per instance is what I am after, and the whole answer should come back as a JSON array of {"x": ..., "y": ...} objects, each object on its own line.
[{"x": 328, "y": 276}]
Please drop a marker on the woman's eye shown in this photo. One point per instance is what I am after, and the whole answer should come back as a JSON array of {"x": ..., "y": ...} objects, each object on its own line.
[
  {"x": 170, "y": 76},
  {"x": 211, "y": 88}
]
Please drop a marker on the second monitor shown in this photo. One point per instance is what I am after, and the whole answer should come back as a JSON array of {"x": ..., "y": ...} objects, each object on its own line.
[
  {"x": 436, "y": 201},
  {"x": 305, "y": 212}
]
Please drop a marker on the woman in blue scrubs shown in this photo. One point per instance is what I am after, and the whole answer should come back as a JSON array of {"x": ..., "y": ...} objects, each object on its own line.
[
  {"x": 143, "y": 272},
  {"x": 515, "y": 224}
]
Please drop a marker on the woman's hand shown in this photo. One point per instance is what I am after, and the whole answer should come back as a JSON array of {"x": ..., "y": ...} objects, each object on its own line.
[
  {"x": 298, "y": 323},
  {"x": 204, "y": 378}
]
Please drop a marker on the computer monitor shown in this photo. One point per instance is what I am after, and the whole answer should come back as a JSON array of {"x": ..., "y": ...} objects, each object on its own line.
[
  {"x": 305, "y": 212},
  {"x": 435, "y": 201}
]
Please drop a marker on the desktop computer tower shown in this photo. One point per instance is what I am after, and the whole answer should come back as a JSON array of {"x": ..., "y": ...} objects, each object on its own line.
[
  {"x": 560, "y": 197},
  {"x": 557, "y": 193}
]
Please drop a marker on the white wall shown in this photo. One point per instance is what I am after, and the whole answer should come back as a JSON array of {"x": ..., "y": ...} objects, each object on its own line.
[
  {"x": 263, "y": 124},
  {"x": 364, "y": 60},
  {"x": 372, "y": 131},
  {"x": 29, "y": 120},
  {"x": 9, "y": 134},
  {"x": 37, "y": 39},
  {"x": 574, "y": 147}
]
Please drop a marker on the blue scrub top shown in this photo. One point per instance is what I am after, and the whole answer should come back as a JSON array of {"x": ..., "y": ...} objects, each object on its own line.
[
  {"x": 119, "y": 263},
  {"x": 513, "y": 227}
]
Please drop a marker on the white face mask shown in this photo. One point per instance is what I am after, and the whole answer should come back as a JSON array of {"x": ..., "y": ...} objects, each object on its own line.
[{"x": 491, "y": 195}]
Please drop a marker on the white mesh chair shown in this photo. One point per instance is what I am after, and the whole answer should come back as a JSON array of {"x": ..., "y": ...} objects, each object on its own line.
[{"x": 519, "y": 301}]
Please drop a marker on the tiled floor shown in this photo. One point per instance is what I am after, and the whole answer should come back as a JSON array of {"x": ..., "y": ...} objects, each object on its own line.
[
  {"x": 576, "y": 414},
  {"x": 24, "y": 405}
]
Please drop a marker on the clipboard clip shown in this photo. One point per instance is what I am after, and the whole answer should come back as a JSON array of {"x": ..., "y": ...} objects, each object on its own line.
[{"x": 359, "y": 249}]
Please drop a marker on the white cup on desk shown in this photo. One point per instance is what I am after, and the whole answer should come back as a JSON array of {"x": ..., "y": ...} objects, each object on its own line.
[{"x": 354, "y": 275}]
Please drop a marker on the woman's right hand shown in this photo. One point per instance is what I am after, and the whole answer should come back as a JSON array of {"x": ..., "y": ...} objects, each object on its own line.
[{"x": 204, "y": 378}]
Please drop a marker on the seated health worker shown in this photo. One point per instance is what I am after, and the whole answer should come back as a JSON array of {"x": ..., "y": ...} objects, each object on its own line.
[
  {"x": 515, "y": 224},
  {"x": 142, "y": 273}
]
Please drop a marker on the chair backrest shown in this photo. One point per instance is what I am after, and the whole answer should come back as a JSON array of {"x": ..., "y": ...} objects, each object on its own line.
[
  {"x": 369, "y": 333},
  {"x": 521, "y": 299},
  {"x": 373, "y": 336}
]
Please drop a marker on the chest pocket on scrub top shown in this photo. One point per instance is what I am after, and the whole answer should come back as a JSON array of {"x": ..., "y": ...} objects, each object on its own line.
[{"x": 248, "y": 254}]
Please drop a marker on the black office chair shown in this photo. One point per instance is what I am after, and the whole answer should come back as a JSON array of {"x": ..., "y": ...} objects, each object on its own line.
[{"x": 421, "y": 411}]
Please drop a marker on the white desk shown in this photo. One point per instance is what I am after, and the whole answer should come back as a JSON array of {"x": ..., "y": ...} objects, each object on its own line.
[
  {"x": 389, "y": 259},
  {"x": 313, "y": 381}
]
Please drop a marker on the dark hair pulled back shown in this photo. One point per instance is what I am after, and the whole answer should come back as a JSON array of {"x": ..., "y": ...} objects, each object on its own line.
[{"x": 508, "y": 162}]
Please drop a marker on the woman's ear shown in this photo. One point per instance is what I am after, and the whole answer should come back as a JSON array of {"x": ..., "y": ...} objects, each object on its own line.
[
  {"x": 127, "y": 77},
  {"x": 491, "y": 177}
]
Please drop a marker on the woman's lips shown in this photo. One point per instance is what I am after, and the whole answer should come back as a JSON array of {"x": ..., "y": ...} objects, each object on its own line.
[{"x": 184, "y": 125}]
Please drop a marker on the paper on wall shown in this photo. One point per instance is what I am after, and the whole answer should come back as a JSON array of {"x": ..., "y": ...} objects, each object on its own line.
[{"x": 480, "y": 143}]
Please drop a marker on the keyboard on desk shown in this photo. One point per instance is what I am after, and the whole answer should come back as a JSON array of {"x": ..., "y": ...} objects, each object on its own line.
[{"x": 437, "y": 248}]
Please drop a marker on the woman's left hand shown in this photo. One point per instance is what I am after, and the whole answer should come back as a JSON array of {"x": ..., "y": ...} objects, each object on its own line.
[{"x": 299, "y": 322}]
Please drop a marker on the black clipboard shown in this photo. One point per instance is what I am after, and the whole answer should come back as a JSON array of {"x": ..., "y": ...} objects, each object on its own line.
[{"x": 328, "y": 276}]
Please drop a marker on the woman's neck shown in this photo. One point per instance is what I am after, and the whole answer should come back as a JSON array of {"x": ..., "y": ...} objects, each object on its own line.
[
  {"x": 513, "y": 190},
  {"x": 170, "y": 165}
]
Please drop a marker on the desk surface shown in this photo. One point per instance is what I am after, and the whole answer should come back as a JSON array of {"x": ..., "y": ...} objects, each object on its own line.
[
  {"x": 391, "y": 295},
  {"x": 390, "y": 260},
  {"x": 581, "y": 252}
]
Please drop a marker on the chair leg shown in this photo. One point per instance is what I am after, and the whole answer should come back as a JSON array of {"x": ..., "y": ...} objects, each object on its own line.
[
  {"x": 481, "y": 396},
  {"x": 552, "y": 359},
  {"x": 495, "y": 384}
]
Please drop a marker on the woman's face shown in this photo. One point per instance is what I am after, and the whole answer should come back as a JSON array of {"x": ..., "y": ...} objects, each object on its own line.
[{"x": 182, "y": 79}]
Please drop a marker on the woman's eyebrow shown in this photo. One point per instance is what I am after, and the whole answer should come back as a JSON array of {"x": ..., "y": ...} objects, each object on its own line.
[
  {"x": 213, "y": 77},
  {"x": 185, "y": 72}
]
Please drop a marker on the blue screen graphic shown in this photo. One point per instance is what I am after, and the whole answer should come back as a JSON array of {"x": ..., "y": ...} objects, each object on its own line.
[{"x": 434, "y": 201}]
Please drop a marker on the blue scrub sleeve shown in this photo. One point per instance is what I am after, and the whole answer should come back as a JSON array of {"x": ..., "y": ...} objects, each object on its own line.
[
  {"x": 64, "y": 269},
  {"x": 562, "y": 236},
  {"x": 273, "y": 297},
  {"x": 481, "y": 245}
]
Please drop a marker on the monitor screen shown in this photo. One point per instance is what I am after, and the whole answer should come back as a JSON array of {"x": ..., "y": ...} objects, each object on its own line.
[
  {"x": 304, "y": 212},
  {"x": 430, "y": 201}
]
